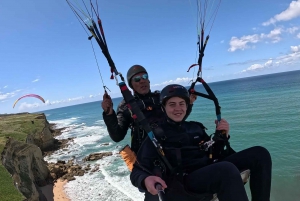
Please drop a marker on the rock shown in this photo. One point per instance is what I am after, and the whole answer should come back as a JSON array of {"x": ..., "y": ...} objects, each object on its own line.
[
  {"x": 42, "y": 138},
  {"x": 26, "y": 165},
  {"x": 64, "y": 170},
  {"x": 97, "y": 156},
  {"x": 96, "y": 168}
]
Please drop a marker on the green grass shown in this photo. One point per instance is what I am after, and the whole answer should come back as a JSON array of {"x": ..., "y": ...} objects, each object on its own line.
[
  {"x": 16, "y": 126},
  {"x": 8, "y": 192}
]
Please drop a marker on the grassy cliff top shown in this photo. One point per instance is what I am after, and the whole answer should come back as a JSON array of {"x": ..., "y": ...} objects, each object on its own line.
[{"x": 18, "y": 126}]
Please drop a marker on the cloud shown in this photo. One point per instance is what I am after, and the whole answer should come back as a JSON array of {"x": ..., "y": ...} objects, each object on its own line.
[
  {"x": 36, "y": 80},
  {"x": 292, "y": 30},
  {"x": 286, "y": 60},
  {"x": 47, "y": 102},
  {"x": 246, "y": 62},
  {"x": 5, "y": 87},
  {"x": 293, "y": 11},
  {"x": 246, "y": 42},
  {"x": 289, "y": 59},
  {"x": 258, "y": 67},
  {"x": 274, "y": 35},
  {"x": 76, "y": 98},
  {"x": 295, "y": 48},
  {"x": 99, "y": 94},
  {"x": 182, "y": 81},
  {"x": 4, "y": 96},
  {"x": 25, "y": 106},
  {"x": 242, "y": 43}
]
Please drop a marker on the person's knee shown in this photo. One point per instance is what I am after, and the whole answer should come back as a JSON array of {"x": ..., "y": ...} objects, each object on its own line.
[
  {"x": 263, "y": 153},
  {"x": 228, "y": 169},
  {"x": 228, "y": 175}
]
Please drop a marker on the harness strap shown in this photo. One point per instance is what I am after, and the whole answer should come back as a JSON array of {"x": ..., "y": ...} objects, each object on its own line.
[
  {"x": 210, "y": 95},
  {"x": 179, "y": 163},
  {"x": 139, "y": 116},
  {"x": 143, "y": 106},
  {"x": 160, "y": 133},
  {"x": 219, "y": 137}
]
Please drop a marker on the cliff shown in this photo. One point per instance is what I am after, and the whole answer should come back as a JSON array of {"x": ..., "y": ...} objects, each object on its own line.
[
  {"x": 23, "y": 139},
  {"x": 26, "y": 165}
]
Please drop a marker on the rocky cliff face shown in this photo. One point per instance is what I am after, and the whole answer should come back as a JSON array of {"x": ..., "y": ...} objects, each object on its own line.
[
  {"x": 24, "y": 160},
  {"x": 42, "y": 138},
  {"x": 26, "y": 165}
]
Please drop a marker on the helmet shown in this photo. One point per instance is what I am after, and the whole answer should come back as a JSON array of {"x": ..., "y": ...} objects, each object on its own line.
[
  {"x": 133, "y": 70},
  {"x": 174, "y": 90}
]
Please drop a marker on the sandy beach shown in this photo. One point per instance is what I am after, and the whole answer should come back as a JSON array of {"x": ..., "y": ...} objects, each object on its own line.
[
  {"x": 59, "y": 192},
  {"x": 55, "y": 192}
]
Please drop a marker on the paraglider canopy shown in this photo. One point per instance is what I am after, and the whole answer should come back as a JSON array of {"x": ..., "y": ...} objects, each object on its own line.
[{"x": 29, "y": 95}]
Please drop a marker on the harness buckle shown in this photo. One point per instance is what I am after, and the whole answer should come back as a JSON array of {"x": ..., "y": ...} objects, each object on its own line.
[{"x": 205, "y": 146}]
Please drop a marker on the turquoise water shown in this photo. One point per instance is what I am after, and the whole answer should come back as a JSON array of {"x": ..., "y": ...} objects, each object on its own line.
[{"x": 262, "y": 110}]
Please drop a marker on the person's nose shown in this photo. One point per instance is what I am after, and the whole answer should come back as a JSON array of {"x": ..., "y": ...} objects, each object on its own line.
[
  {"x": 143, "y": 80},
  {"x": 177, "y": 107}
]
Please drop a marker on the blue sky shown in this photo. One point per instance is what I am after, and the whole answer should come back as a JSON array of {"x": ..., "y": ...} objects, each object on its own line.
[{"x": 45, "y": 51}]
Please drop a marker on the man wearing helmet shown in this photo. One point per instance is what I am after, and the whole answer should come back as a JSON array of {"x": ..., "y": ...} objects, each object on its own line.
[
  {"x": 118, "y": 122},
  {"x": 189, "y": 173}
]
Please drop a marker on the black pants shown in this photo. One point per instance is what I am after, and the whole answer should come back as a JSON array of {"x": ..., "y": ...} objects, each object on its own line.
[{"x": 224, "y": 177}]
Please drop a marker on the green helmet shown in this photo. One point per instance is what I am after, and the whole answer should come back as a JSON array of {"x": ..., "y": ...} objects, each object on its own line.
[
  {"x": 133, "y": 70},
  {"x": 174, "y": 90}
]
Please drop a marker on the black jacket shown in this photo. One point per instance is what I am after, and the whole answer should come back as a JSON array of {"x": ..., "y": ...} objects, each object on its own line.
[
  {"x": 118, "y": 123},
  {"x": 184, "y": 135}
]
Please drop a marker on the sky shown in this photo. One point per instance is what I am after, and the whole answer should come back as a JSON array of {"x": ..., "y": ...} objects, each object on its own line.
[{"x": 44, "y": 49}]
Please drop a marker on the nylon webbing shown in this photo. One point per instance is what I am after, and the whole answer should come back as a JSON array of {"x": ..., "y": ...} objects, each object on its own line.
[{"x": 137, "y": 113}]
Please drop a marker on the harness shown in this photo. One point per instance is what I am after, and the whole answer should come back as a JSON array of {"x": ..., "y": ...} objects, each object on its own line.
[
  {"x": 175, "y": 167},
  {"x": 176, "y": 190},
  {"x": 150, "y": 107}
]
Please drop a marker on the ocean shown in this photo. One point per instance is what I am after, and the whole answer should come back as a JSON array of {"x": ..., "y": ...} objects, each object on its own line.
[{"x": 262, "y": 110}]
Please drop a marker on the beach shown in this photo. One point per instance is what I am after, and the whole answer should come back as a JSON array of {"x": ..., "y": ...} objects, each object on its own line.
[
  {"x": 55, "y": 192},
  {"x": 59, "y": 192}
]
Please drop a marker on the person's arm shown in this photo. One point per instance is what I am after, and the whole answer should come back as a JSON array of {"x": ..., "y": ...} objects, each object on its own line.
[
  {"x": 144, "y": 166},
  {"x": 138, "y": 177},
  {"x": 117, "y": 124}
]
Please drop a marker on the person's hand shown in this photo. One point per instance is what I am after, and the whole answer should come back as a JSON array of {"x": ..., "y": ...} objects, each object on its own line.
[
  {"x": 150, "y": 182},
  {"x": 107, "y": 104},
  {"x": 193, "y": 97},
  {"x": 223, "y": 126}
]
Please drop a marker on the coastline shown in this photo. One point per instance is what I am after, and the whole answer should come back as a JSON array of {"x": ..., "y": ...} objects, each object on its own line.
[
  {"x": 59, "y": 190},
  {"x": 55, "y": 191}
]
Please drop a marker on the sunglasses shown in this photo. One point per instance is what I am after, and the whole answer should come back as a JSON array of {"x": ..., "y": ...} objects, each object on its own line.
[{"x": 139, "y": 77}]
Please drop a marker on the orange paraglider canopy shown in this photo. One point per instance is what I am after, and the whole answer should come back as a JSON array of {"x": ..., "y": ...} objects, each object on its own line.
[{"x": 29, "y": 95}]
